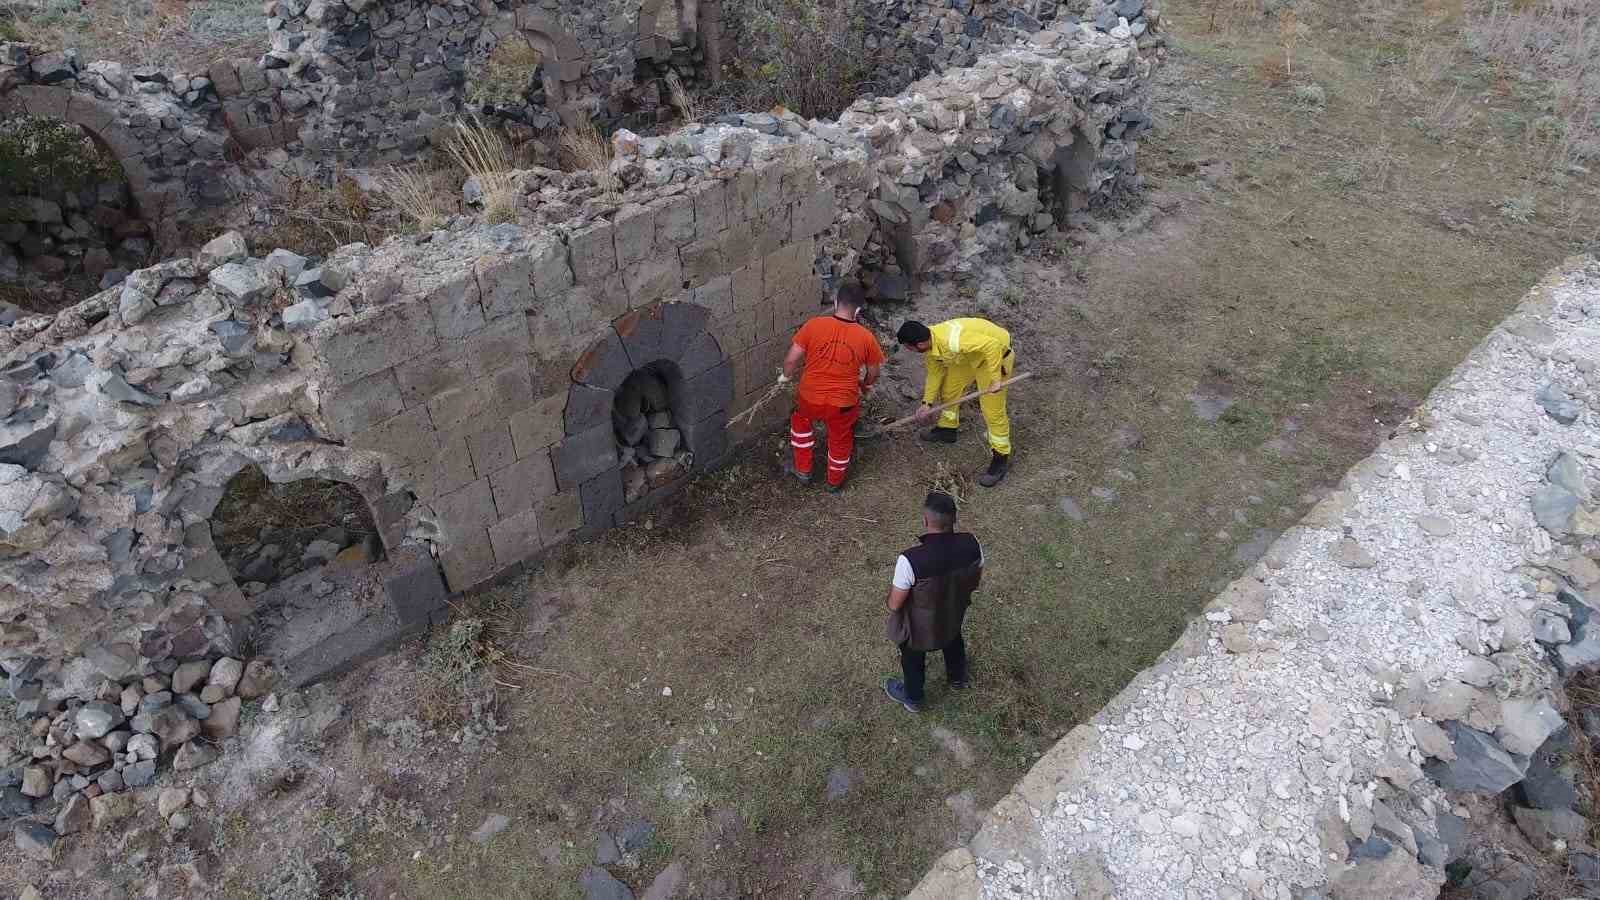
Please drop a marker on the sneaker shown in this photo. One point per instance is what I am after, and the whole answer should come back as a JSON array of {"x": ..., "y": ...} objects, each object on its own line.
[
  {"x": 833, "y": 488},
  {"x": 961, "y": 685},
  {"x": 802, "y": 477},
  {"x": 941, "y": 435},
  {"x": 896, "y": 689},
  {"x": 998, "y": 465}
]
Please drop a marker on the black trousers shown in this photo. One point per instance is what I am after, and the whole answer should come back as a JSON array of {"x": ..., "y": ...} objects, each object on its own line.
[{"x": 914, "y": 664}]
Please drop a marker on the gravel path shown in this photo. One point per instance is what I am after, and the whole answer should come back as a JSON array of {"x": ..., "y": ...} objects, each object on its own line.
[{"x": 1281, "y": 734}]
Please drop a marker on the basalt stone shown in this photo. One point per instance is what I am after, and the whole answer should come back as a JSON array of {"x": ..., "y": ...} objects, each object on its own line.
[{"x": 1481, "y": 765}]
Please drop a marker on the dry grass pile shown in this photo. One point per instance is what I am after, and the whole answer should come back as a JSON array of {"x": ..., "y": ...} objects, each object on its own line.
[{"x": 312, "y": 217}]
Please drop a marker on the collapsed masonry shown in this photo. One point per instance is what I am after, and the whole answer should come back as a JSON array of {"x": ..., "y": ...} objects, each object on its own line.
[{"x": 464, "y": 382}]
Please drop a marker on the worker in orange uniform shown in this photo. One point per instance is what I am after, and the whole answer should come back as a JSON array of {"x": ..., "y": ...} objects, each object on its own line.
[
  {"x": 960, "y": 352},
  {"x": 840, "y": 359}
]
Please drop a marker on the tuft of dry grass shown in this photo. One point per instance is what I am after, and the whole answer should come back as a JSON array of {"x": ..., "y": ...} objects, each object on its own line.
[
  {"x": 585, "y": 149},
  {"x": 419, "y": 194},
  {"x": 681, "y": 100},
  {"x": 481, "y": 152}
]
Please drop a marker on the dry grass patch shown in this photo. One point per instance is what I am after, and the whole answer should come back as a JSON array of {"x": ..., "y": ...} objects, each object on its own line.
[
  {"x": 484, "y": 155},
  {"x": 183, "y": 34},
  {"x": 585, "y": 149}
]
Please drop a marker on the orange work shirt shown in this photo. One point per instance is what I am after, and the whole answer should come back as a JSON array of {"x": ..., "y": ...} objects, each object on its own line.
[{"x": 836, "y": 349}]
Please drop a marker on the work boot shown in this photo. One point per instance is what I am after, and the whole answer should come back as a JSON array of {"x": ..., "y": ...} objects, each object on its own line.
[
  {"x": 896, "y": 690},
  {"x": 998, "y": 464},
  {"x": 940, "y": 435},
  {"x": 802, "y": 477}
]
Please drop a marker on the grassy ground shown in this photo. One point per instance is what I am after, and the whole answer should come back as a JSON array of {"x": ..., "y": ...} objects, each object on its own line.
[
  {"x": 183, "y": 34},
  {"x": 1311, "y": 260}
]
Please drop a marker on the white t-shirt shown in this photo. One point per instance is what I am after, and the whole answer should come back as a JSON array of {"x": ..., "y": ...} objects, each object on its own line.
[{"x": 903, "y": 576}]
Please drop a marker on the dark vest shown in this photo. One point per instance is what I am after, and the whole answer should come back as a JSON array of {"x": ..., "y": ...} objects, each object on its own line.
[{"x": 946, "y": 568}]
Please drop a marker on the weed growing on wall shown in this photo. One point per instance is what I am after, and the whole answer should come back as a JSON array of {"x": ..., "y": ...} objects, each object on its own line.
[
  {"x": 46, "y": 158},
  {"x": 507, "y": 76}
]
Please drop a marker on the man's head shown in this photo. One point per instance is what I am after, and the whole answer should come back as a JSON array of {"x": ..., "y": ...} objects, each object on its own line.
[
  {"x": 939, "y": 511},
  {"x": 850, "y": 299},
  {"x": 915, "y": 335}
]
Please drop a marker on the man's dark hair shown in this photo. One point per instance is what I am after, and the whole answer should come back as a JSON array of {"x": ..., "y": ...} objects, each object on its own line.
[
  {"x": 941, "y": 510},
  {"x": 913, "y": 332},
  {"x": 851, "y": 297}
]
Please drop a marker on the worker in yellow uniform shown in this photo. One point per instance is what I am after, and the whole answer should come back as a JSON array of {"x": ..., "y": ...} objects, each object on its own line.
[{"x": 960, "y": 352}]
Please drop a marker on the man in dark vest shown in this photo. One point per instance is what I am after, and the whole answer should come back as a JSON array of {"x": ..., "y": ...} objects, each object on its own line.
[{"x": 932, "y": 588}]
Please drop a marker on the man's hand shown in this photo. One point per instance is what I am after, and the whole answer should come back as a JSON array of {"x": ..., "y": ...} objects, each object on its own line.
[
  {"x": 925, "y": 413},
  {"x": 996, "y": 388}
]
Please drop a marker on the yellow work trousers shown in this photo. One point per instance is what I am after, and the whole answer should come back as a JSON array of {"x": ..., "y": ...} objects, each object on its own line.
[{"x": 958, "y": 379}]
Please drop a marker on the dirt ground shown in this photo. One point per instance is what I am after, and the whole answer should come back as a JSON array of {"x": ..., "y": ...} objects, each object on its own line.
[{"x": 1294, "y": 279}]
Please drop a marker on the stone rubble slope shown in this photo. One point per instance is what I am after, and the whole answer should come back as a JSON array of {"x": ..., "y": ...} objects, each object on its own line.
[{"x": 1299, "y": 738}]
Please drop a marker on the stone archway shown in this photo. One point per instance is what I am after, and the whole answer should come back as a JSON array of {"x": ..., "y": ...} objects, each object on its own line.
[
  {"x": 669, "y": 341},
  {"x": 155, "y": 202}
]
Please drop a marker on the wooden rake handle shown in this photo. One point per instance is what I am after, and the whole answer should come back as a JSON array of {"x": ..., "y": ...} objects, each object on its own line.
[{"x": 900, "y": 423}]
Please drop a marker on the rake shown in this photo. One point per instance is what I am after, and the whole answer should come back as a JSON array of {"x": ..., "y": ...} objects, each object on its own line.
[{"x": 901, "y": 423}]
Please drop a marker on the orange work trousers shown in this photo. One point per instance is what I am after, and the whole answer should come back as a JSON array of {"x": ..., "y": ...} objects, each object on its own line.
[{"x": 841, "y": 422}]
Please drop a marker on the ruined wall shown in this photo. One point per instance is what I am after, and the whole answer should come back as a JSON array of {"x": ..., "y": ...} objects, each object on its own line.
[
  {"x": 471, "y": 383},
  {"x": 158, "y": 126}
]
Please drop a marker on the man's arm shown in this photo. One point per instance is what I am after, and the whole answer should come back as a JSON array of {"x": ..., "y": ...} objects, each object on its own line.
[
  {"x": 871, "y": 376},
  {"x": 793, "y": 362},
  {"x": 932, "y": 384},
  {"x": 900, "y": 587}
]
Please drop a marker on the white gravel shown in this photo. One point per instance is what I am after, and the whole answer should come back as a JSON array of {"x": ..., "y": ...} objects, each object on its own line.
[{"x": 1218, "y": 773}]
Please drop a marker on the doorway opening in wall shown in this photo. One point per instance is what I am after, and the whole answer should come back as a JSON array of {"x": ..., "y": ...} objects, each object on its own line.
[
  {"x": 651, "y": 446},
  {"x": 268, "y": 533},
  {"x": 69, "y": 224}
]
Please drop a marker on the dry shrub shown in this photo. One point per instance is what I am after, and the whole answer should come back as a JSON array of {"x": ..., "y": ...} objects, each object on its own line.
[
  {"x": 585, "y": 149},
  {"x": 483, "y": 154}
]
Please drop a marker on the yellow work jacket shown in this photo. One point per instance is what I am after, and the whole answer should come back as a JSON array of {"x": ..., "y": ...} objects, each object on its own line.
[{"x": 965, "y": 347}]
